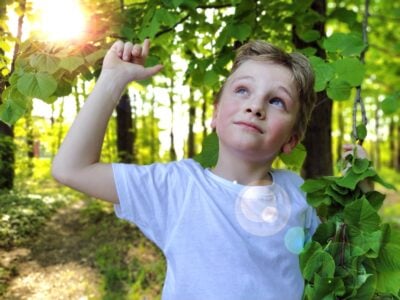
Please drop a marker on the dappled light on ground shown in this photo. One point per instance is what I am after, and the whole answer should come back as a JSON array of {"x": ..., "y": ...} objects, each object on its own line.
[
  {"x": 64, "y": 281},
  {"x": 83, "y": 252}
]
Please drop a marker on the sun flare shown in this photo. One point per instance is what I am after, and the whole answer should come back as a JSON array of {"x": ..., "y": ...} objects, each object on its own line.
[{"x": 59, "y": 20}]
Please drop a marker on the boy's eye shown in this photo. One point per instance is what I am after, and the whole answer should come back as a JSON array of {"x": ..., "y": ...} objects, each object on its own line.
[
  {"x": 278, "y": 102},
  {"x": 241, "y": 90}
]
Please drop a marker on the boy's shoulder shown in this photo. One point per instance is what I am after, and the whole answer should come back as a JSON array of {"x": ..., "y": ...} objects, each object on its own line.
[{"x": 287, "y": 175}]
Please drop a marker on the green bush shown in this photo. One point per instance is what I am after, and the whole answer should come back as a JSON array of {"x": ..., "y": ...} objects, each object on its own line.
[{"x": 22, "y": 215}]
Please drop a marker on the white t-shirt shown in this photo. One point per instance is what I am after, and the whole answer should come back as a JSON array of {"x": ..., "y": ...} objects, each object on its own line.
[{"x": 221, "y": 240}]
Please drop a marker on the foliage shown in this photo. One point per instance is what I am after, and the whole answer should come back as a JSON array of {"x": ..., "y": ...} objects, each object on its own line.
[
  {"x": 22, "y": 215},
  {"x": 352, "y": 255},
  {"x": 130, "y": 265}
]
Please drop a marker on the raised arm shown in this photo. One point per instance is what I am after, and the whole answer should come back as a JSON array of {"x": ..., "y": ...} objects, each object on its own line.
[{"x": 77, "y": 161}]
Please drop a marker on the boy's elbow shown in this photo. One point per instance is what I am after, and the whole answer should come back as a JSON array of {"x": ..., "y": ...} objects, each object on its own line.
[{"x": 60, "y": 173}]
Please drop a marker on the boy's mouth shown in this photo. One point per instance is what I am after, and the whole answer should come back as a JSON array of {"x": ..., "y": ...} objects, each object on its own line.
[{"x": 249, "y": 125}]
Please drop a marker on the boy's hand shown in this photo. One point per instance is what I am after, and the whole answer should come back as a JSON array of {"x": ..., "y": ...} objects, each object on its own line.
[
  {"x": 124, "y": 62},
  {"x": 359, "y": 152}
]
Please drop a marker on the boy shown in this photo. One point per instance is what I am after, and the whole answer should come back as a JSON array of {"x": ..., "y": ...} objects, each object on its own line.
[{"x": 231, "y": 232}]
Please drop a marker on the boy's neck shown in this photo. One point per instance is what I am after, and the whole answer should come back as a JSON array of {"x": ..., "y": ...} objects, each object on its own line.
[{"x": 243, "y": 172}]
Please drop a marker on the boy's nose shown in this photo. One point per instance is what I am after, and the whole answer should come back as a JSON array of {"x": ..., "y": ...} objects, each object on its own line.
[{"x": 256, "y": 109}]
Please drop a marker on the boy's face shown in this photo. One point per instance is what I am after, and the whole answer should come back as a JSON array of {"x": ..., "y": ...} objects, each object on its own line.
[{"x": 257, "y": 111}]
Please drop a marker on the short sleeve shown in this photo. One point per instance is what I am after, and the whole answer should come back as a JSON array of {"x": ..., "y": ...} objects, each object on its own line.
[
  {"x": 144, "y": 197},
  {"x": 312, "y": 223}
]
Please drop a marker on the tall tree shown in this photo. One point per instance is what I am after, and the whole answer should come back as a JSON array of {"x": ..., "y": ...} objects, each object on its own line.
[
  {"x": 7, "y": 148},
  {"x": 318, "y": 136}
]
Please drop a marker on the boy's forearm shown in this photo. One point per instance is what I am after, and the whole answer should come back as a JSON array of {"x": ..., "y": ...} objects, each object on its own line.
[{"x": 83, "y": 143}]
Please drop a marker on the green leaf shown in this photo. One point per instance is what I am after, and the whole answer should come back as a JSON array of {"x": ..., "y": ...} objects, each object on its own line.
[
  {"x": 351, "y": 179},
  {"x": 309, "y": 35},
  {"x": 323, "y": 72},
  {"x": 165, "y": 17},
  {"x": 362, "y": 215},
  {"x": 375, "y": 198},
  {"x": 294, "y": 160},
  {"x": 209, "y": 154},
  {"x": 320, "y": 263},
  {"x": 339, "y": 89},
  {"x": 390, "y": 104},
  {"x": 365, "y": 243},
  {"x": 350, "y": 69},
  {"x": 325, "y": 232},
  {"x": 37, "y": 85},
  {"x": 44, "y": 63},
  {"x": 241, "y": 31},
  {"x": 360, "y": 165},
  {"x": 211, "y": 78},
  {"x": 347, "y": 44},
  {"x": 71, "y": 63},
  {"x": 14, "y": 105},
  {"x": 328, "y": 288},
  {"x": 95, "y": 56},
  {"x": 361, "y": 130},
  {"x": 313, "y": 185}
]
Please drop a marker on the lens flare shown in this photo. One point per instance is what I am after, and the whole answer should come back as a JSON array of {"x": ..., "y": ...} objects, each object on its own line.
[{"x": 59, "y": 20}]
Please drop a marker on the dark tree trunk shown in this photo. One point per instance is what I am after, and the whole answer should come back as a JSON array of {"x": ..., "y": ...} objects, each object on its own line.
[
  {"x": 125, "y": 134},
  {"x": 7, "y": 147},
  {"x": 318, "y": 141},
  {"x": 397, "y": 164},
  {"x": 340, "y": 121},
  {"x": 192, "y": 118},
  {"x": 172, "y": 152},
  {"x": 7, "y": 157},
  {"x": 392, "y": 144}
]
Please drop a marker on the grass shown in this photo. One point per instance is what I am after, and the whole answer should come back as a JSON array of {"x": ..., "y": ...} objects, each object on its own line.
[{"x": 130, "y": 266}]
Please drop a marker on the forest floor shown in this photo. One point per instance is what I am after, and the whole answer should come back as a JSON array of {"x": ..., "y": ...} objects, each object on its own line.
[
  {"x": 76, "y": 255},
  {"x": 85, "y": 252}
]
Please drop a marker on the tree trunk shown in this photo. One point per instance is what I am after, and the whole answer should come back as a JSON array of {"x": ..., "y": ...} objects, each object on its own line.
[
  {"x": 7, "y": 147},
  {"x": 192, "y": 118},
  {"x": 125, "y": 134},
  {"x": 392, "y": 144},
  {"x": 172, "y": 152},
  {"x": 377, "y": 162},
  {"x": 318, "y": 141},
  {"x": 29, "y": 140},
  {"x": 7, "y": 157},
  {"x": 340, "y": 121},
  {"x": 397, "y": 164}
]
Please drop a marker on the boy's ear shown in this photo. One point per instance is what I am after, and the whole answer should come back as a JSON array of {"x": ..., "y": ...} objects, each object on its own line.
[
  {"x": 214, "y": 116},
  {"x": 290, "y": 144}
]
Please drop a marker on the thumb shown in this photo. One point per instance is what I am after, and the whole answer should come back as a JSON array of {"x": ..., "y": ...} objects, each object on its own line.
[{"x": 150, "y": 71}]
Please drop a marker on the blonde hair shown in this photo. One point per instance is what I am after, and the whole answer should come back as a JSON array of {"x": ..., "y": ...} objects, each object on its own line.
[{"x": 299, "y": 66}]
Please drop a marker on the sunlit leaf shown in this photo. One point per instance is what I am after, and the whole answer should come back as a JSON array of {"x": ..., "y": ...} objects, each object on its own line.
[
  {"x": 44, "y": 63},
  {"x": 71, "y": 63},
  {"x": 37, "y": 85}
]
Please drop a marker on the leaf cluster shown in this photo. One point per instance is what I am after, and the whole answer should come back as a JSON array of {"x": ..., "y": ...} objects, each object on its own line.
[{"x": 352, "y": 255}]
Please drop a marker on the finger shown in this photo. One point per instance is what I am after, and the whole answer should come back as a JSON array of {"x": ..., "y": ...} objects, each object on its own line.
[
  {"x": 118, "y": 48},
  {"x": 137, "y": 51},
  {"x": 127, "y": 51},
  {"x": 145, "y": 48}
]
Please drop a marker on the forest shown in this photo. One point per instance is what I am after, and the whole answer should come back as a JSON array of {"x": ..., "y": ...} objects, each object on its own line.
[{"x": 56, "y": 243}]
